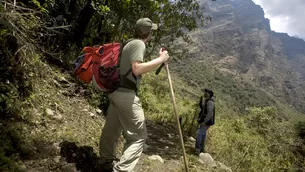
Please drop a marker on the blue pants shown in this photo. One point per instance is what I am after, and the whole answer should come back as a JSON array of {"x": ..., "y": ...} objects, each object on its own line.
[{"x": 200, "y": 138}]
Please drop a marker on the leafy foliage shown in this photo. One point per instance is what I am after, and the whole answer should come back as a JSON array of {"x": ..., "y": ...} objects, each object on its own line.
[
  {"x": 20, "y": 63},
  {"x": 262, "y": 118},
  {"x": 93, "y": 22},
  {"x": 7, "y": 164}
]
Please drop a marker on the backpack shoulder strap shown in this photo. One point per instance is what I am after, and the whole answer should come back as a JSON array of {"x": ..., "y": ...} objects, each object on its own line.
[
  {"x": 121, "y": 49},
  {"x": 128, "y": 84}
]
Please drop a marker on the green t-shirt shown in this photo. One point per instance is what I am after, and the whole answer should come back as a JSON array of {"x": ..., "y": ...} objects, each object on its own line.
[{"x": 132, "y": 51}]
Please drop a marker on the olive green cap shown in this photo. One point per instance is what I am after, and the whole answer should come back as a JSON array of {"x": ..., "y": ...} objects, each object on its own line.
[{"x": 145, "y": 25}]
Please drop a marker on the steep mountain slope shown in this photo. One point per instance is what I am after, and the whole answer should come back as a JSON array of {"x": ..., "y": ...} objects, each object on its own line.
[
  {"x": 294, "y": 48},
  {"x": 240, "y": 44}
]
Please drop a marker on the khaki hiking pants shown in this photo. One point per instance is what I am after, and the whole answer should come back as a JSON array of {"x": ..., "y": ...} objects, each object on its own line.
[{"x": 125, "y": 114}]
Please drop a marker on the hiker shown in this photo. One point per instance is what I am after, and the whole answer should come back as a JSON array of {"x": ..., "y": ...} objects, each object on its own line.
[
  {"x": 125, "y": 113},
  {"x": 205, "y": 119}
]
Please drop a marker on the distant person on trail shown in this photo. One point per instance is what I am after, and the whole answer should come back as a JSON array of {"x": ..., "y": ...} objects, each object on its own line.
[
  {"x": 125, "y": 113},
  {"x": 205, "y": 119}
]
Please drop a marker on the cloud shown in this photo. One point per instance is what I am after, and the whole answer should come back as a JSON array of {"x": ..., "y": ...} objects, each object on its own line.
[{"x": 285, "y": 15}]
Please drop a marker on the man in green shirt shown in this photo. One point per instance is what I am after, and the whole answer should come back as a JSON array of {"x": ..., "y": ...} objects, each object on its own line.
[{"x": 125, "y": 113}]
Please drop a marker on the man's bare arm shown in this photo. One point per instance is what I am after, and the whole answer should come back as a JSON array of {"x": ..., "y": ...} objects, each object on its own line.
[{"x": 139, "y": 68}]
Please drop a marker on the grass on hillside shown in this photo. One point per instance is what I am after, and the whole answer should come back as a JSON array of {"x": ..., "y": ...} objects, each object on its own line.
[{"x": 258, "y": 139}]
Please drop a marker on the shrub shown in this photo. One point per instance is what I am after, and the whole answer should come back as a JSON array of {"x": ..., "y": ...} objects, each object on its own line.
[{"x": 301, "y": 130}]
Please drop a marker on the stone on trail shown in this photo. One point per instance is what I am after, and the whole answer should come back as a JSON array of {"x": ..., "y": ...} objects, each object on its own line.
[
  {"x": 192, "y": 139},
  {"x": 57, "y": 159},
  {"x": 49, "y": 112},
  {"x": 223, "y": 167},
  {"x": 91, "y": 114},
  {"x": 156, "y": 157},
  {"x": 99, "y": 111},
  {"x": 207, "y": 159},
  {"x": 57, "y": 117}
]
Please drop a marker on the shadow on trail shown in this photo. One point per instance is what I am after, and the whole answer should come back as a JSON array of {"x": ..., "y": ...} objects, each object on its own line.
[
  {"x": 84, "y": 158},
  {"x": 163, "y": 140}
]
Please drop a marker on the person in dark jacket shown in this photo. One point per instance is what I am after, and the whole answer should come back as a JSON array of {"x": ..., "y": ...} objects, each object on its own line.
[{"x": 205, "y": 119}]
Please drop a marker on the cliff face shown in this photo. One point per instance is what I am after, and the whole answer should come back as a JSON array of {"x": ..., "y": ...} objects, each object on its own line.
[
  {"x": 239, "y": 42},
  {"x": 294, "y": 49}
]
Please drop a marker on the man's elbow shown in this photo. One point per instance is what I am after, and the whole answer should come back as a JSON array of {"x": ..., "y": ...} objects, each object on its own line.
[
  {"x": 136, "y": 72},
  {"x": 136, "y": 68}
]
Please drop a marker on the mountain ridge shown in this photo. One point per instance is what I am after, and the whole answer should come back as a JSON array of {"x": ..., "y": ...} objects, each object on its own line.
[{"x": 240, "y": 42}]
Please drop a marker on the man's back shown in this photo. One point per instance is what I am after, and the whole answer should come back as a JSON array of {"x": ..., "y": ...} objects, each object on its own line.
[{"x": 132, "y": 51}]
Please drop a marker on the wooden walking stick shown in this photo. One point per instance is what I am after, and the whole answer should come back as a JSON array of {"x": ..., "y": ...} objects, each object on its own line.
[
  {"x": 175, "y": 111},
  {"x": 177, "y": 117}
]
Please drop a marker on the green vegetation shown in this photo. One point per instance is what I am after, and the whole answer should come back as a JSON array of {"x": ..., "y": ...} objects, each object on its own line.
[
  {"x": 260, "y": 139},
  {"x": 253, "y": 131}
]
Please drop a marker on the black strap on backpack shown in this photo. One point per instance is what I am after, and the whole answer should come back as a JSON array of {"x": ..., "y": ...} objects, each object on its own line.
[{"x": 124, "y": 81}]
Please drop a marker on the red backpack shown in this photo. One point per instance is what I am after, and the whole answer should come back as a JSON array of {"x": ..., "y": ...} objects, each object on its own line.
[{"x": 100, "y": 64}]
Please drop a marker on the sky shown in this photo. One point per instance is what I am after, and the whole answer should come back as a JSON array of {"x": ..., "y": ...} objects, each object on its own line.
[{"x": 286, "y": 16}]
